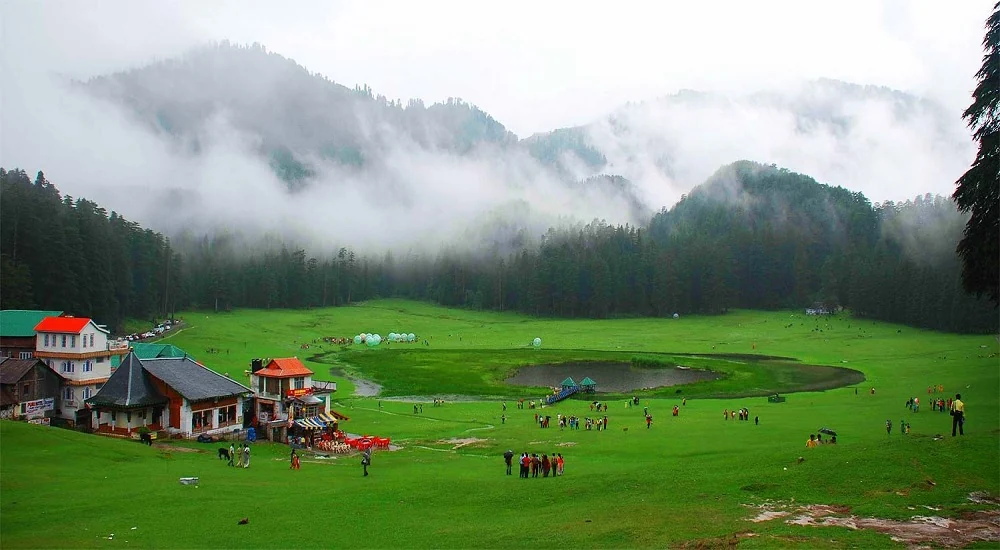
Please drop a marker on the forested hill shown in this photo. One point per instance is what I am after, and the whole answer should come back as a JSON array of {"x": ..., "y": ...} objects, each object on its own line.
[
  {"x": 753, "y": 236},
  {"x": 301, "y": 119}
]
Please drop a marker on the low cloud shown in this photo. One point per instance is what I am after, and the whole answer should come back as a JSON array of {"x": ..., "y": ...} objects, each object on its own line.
[{"x": 417, "y": 198}]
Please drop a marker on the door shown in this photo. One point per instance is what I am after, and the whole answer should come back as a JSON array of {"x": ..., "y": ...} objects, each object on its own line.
[
  {"x": 83, "y": 419},
  {"x": 175, "y": 413}
]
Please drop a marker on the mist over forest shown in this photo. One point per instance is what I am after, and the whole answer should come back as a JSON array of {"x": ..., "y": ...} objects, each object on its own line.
[
  {"x": 239, "y": 140},
  {"x": 233, "y": 177}
]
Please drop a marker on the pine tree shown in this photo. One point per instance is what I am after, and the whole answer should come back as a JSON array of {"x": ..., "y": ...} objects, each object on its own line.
[{"x": 978, "y": 189}]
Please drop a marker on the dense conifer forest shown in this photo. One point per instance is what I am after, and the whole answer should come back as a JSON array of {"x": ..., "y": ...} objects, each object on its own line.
[{"x": 752, "y": 236}]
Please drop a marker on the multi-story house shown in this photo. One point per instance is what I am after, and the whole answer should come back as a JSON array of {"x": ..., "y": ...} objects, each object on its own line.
[
  {"x": 77, "y": 349},
  {"x": 283, "y": 391}
]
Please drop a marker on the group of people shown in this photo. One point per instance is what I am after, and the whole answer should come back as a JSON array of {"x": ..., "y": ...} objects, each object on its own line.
[
  {"x": 600, "y": 407},
  {"x": 817, "y": 439},
  {"x": 591, "y": 423},
  {"x": 532, "y": 465},
  {"x": 742, "y": 414},
  {"x": 239, "y": 457},
  {"x": 955, "y": 407}
]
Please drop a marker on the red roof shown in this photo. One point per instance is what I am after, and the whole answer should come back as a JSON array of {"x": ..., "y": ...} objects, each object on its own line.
[
  {"x": 283, "y": 368},
  {"x": 62, "y": 324}
]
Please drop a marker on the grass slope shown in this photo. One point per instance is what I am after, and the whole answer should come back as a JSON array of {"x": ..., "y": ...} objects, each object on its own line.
[{"x": 686, "y": 479}]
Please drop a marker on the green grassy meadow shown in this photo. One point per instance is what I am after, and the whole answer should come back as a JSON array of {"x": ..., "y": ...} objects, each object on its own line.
[{"x": 689, "y": 480}]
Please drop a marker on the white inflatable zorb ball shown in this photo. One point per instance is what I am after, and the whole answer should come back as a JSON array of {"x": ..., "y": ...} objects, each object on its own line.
[{"x": 536, "y": 342}]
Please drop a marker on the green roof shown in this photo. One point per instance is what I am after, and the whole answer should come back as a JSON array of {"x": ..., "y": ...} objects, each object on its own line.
[
  {"x": 151, "y": 351},
  {"x": 588, "y": 382},
  {"x": 20, "y": 323},
  {"x": 569, "y": 381}
]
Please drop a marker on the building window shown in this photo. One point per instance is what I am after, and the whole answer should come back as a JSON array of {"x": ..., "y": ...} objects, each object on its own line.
[
  {"x": 300, "y": 383},
  {"x": 201, "y": 420},
  {"x": 91, "y": 340},
  {"x": 69, "y": 394},
  {"x": 83, "y": 341},
  {"x": 25, "y": 355},
  {"x": 63, "y": 340},
  {"x": 114, "y": 416},
  {"x": 46, "y": 337},
  {"x": 87, "y": 366},
  {"x": 72, "y": 341},
  {"x": 87, "y": 394},
  {"x": 128, "y": 416},
  {"x": 26, "y": 391},
  {"x": 100, "y": 359},
  {"x": 68, "y": 367}
]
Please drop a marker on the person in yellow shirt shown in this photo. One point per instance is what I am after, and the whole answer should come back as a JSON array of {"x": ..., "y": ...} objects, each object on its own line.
[
  {"x": 812, "y": 441},
  {"x": 957, "y": 415}
]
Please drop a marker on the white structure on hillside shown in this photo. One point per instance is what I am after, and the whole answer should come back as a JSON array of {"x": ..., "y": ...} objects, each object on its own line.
[{"x": 77, "y": 349}]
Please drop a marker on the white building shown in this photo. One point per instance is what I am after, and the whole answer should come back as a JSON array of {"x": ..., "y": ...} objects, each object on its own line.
[{"x": 77, "y": 349}]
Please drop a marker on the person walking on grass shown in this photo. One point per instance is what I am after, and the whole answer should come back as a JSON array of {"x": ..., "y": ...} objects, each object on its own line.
[
  {"x": 246, "y": 455},
  {"x": 560, "y": 464},
  {"x": 366, "y": 460},
  {"x": 508, "y": 458},
  {"x": 232, "y": 454},
  {"x": 546, "y": 465},
  {"x": 888, "y": 427},
  {"x": 957, "y": 415}
]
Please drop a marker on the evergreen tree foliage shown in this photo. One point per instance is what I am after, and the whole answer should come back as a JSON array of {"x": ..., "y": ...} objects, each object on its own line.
[
  {"x": 978, "y": 191},
  {"x": 752, "y": 236}
]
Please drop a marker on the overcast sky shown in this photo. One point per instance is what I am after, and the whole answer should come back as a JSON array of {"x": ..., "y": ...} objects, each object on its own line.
[{"x": 533, "y": 65}]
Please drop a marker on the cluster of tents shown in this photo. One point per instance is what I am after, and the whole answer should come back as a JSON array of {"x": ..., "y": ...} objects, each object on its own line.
[{"x": 373, "y": 340}]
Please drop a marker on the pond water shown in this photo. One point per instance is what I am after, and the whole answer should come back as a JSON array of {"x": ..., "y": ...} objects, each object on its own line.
[{"x": 610, "y": 377}]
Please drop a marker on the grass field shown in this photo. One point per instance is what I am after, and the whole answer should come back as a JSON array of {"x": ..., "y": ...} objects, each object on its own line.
[{"x": 688, "y": 480}]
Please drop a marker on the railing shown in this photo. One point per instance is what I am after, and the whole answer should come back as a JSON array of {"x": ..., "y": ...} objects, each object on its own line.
[
  {"x": 266, "y": 395},
  {"x": 265, "y": 417},
  {"x": 319, "y": 385},
  {"x": 562, "y": 395}
]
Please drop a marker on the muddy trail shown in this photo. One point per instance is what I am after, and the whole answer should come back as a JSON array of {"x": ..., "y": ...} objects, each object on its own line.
[{"x": 362, "y": 387}]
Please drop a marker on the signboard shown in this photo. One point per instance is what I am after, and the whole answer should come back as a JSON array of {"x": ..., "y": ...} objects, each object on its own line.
[
  {"x": 299, "y": 392},
  {"x": 42, "y": 421},
  {"x": 38, "y": 406}
]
